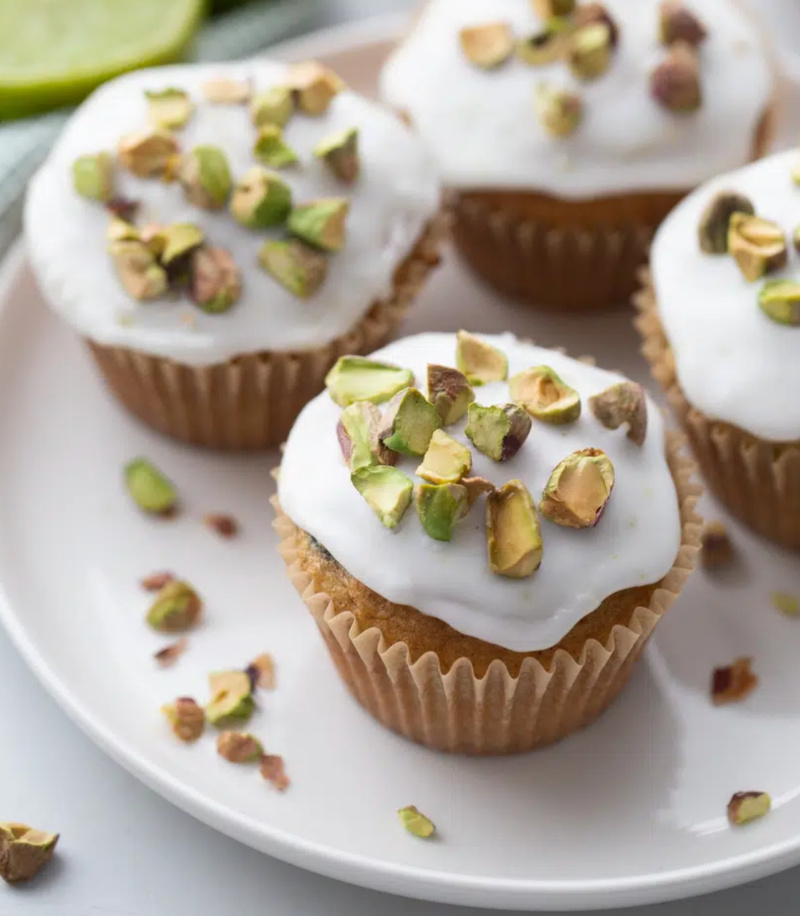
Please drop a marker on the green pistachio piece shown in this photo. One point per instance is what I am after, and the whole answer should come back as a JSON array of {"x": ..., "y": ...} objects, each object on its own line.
[
  {"x": 187, "y": 719},
  {"x": 675, "y": 82},
  {"x": 261, "y": 199},
  {"x": 450, "y": 392},
  {"x": 179, "y": 240},
  {"x": 231, "y": 698},
  {"x": 169, "y": 107},
  {"x": 148, "y": 152},
  {"x": 487, "y": 46},
  {"x": 622, "y": 403},
  {"x": 121, "y": 231},
  {"x": 677, "y": 23},
  {"x": 409, "y": 422},
  {"x": 139, "y": 272},
  {"x": 271, "y": 148},
  {"x": 589, "y": 51},
  {"x": 274, "y": 106},
  {"x": 715, "y": 221},
  {"x": 314, "y": 87},
  {"x": 747, "y": 806},
  {"x": 386, "y": 490},
  {"x": 478, "y": 360},
  {"x": 295, "y": 265},
  {"x": 446, "y": 461},
  {"x": 24, "y": 851},
  {"x": 416, "y": 823},
  {"x": 545, "y": 395},
  {"x": 356, "y": 378},
  {"x": 545, "y": 46},
  {"x": 239, "y": 747},
  {"x": 358, "y": 433},
  {"x": 545, "y": 9},
  {"x": 340, "y": 153},
  {"x": 149, "y": 488},
  {"x": 757, "y": 245},
  {"x": 439, "y": 507},
  {"x": 559, "y": 111},
  {"x": 321, "y": 223},
  {"x": 93, "y": 176},
  {"x": 215, "y": 281},
  {"x": 513, "y": 531},
  {"x": 205, "y": 177},
  {"x": 175, "y": 609},
  {"x": 780, "y": 301},
  {"x": 578, "y": 490},
  {"x": 498, "y": 432}
]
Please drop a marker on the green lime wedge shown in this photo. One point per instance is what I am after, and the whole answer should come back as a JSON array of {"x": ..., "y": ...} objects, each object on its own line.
[{"x": 54, "y": 52}]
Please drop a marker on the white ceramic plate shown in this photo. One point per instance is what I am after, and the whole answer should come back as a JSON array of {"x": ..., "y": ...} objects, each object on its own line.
[{"x": 632, "y": 810}]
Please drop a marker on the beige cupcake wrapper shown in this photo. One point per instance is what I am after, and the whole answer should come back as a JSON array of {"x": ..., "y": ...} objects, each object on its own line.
[
  {"x": 251, "y": 402},
  {"x": 496, "y": 714},
  {"x": 758, "y": 481}
]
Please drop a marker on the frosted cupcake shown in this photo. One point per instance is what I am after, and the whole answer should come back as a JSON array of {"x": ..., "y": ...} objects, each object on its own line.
[
  {"x": 721, "y": 329},
  {"x": 568, "y": 131},
  {"x": 485, "y": 555},
  {"x": 220, "y": 235}
]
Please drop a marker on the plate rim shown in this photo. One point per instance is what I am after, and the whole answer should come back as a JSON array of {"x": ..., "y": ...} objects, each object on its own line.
[{"x": 405, "y": 880}]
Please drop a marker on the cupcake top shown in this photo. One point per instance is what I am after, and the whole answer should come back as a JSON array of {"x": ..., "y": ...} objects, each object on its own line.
[
  {"x": 727, "y": 283},
  {"x": 607, "y": 98},
  {"x": 532, "y": 501},
  {"x": 272, "y": 207}
]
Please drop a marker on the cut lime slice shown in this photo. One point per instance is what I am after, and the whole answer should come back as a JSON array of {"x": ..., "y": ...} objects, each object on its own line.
[{"x": 54, "y": 52}]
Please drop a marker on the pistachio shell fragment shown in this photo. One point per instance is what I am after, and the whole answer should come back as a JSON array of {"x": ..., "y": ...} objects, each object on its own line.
[
  {"x": 175, "y": 609},
  {"x": 715, "y": 221},
  {"x": 179, "y": 240},
  {"x": 479, "y": 361},
  {"x": 138, "y": 270},
  {"x": 296, "y": 266},
  {"x": 409, "y": 422},
  {"x": 215, "y": 281},
  {"x": 446, "y": 461},
  {"x": 747, "y": 806},
  {"x": 439, "y": 507},
  {"x": 169, "y": 108},
  {"x": 487, "y": 46},
  {"x": 24, "y": 851},
  {"x": 513, "y": 531},
  {"x": 147, "y": 152},
  {"x": 545, "y": 395},
  {"x": 271, "y": 148},
  {"x": 231, "y": 698},
  {"x": 559, "y": 111},
  {"x": 273, "y": 106},
  {"x": 450, "y": 392},
  {"x": 224, "y": 91},
  {"x": 358, "y": 433},
  {"x": 239, "y": 747},
  {"x": 780, "y": 301},
  {"x": 593, "y": 13},
  {"x": 261, "y": 199},
  {"x": 498, "y": 432},
  {"x": 314, "y": 87},
  {"x": 386, "y": 490},
  {"x": 758, "y": 245},
  {"x": 149, "y": 488},
  {"x": 675, "y": 82},
  {"x": 622, "y": 403},
  {"x": 589, "y": 51},
  {"x": 340, "y": 153},
  {"x": 578, "y": 490},
  {"x": 416, "y": 823},
  {"x": 546, "y": 45},
  {"x": 356, "y": 378},
  {"x": 321, "y": 223},
  {"x": 93, "y": 176},
  {"x": 205, "y": 177},
  {"x": 187, "y": 719},
  {"x": 678, "y": 23}
]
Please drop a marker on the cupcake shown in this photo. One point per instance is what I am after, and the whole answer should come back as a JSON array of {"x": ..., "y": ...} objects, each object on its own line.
[
  {"x": 220, "y": 235},
  {"x": 485, "y": 563},
  {"x": 566, "y": 132},
  {"x": 721, "y": 329}
]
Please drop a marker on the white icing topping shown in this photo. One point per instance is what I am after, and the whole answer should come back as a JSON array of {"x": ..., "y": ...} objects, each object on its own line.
[
  {"x": 390, "y": 203},
  {"x": 635, "y": 542},
  {"x": 733, "y": 362},
  {"x": 483, "y": 129}
]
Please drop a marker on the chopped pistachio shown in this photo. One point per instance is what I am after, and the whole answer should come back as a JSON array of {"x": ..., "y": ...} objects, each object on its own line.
[
  {"x": 205, "y": 177},
  {"x": 796, "y": 238},
  {"x": 179, "y": 240},
  {"x": 487, "y": 46},
  {"x": 321, "y": 223},
  {"x": 139, "y": 272},
  {"x": 296, "y": 266},
  {"x": 589, "y": 51},
  {"x": 717, "y": 549},
  {"x": 231, "y": 698},
  {"x": 154, "y": 237},
  {"x": 170, "y": 108},
  {"x": 314, "y": 87},
  {"x": 786, "y": 603},
  {"x": 794, "y": 173},
  {"x": 780, "y": 301},
  {"x": 273, "y": 106},
  {"x": 439, "y": 507},
  {"x": 176, "y": 608},
  {"x": 409, "y": 422},
  {"x": 545, "y": 9},
  {"x": 677, "y": 23},
  {"x": 215, "y": 281},
  {"x": 545, "y": 395},
  {"x": 149, "y": 488},
  {"x": 271, "y": 148},
  {"x": 358, "y": 433},
  {"x": 513, "y": 531},
  {"x": 622, "y": 403},
  {"x": 154, "y": 582},
  {"x": 498, "y": 432},
  {"x": 187, "y": 719},
  {"x": 386, "y": 490},
  {"x": 675, "y": 82},
  {"x": 122, "y": 208},
  {"x": 733, "y": 683},
  {"x": 24, "y": 851},
  {"x": 224, "y": 91},
  {"x": 93, "y": 176},
  {"x": 356, "y": 378},
  {"x": 546, "y": 45},
  {"x": 446, "y": 461},
  {"x": 475, "y": 486},
  {"x": 416, "y": 823},
  {"x": 757, "y": 245},
  {"x": 592, "y": 14},
  {"x": 262, "y": 671},
  {"x": 147, "y": 152},
  {"x": 578, "y": 490},
  {"x": 261, "y": 199},
  {"x": 273, "y": 770},
  {"x": 239, "y": 747},
  {"x": 167, "y": 656},
  {"x": 450, "y": 392},
  {"x": 121, "y": 231},
  {"x": 559, "y": 111},
  {"x": 479, "y": 361},
  {"x": 715, "y": 221},
  {"x": 747, "y": 806},
  {"x": 340, "y": 153},
  {"x": 224, "y": 525}
]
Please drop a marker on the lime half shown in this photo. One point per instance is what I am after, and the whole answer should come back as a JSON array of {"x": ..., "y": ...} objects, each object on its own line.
[{"x": 54, "y": 52}]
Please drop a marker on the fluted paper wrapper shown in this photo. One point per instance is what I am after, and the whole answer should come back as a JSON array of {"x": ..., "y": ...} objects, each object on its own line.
[
  {"x": 251, "y": 401},
  {"x": 497, "y": 714},
  {"x": 757, "y": 480}
]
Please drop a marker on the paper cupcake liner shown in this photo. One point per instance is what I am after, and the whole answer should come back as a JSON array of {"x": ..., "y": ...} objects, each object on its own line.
[
  {"x": 251, "y": 401},
  {"x": 498, "y": 713},
  {"x": 757, "y": 480}
]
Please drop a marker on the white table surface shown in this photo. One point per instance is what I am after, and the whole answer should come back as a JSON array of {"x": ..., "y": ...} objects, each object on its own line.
[{"x": 126, "y": 852}]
